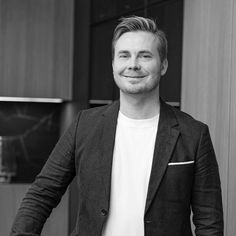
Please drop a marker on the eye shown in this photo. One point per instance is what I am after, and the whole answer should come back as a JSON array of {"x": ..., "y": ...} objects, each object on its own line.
[
  {"x": 123, "y": 55},
  {"x": 145, "y": 55}
]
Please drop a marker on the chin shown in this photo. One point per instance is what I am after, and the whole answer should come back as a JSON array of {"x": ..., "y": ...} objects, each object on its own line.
[
  {"x": 137, "y": 90},
  {"x": 140, "y": 87}
]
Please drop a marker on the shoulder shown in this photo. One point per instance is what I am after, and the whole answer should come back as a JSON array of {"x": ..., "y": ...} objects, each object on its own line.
[
  {"x": 194, "y": 133},
  {"x": 100, "y": 111},
  {"x": 95, "y": 115},
  {"x": 187, "y": 120},
  {"x": 91, "y": 122},
  {"x": 187, "y": 124}
]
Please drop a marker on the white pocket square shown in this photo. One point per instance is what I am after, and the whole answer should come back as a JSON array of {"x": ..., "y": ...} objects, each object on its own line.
[{"x": 180, "y": 163}]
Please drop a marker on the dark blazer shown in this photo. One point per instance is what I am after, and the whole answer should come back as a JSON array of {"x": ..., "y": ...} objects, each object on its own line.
[{"x": 184, "y": 176}]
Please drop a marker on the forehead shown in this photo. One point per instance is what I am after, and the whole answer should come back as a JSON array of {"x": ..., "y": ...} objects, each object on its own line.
[{"x": 138, "y": 40}]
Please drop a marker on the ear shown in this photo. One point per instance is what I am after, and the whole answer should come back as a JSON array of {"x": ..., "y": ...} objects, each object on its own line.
[
  {"x": 112, "y": 64},
  {"x": 164, "y": 67}
]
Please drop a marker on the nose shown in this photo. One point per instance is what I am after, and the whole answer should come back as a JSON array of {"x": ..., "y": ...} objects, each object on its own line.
[{"x": 133, "y": 64}]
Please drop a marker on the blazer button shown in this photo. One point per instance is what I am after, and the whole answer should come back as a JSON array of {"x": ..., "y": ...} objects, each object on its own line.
[{"x": 104, "y": 212}]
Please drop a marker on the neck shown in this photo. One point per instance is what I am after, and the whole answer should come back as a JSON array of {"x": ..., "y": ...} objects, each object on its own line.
[{"x": 140, "y": 106}]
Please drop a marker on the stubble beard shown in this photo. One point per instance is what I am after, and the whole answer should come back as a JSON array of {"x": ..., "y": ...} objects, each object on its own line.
[{"x": 138, "y": 88}]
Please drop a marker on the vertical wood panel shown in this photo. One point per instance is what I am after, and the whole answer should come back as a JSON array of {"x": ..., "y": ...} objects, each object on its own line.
[
  {"x": 231, "y": 218},
  {"x": 36, "y": 48},
  {"x": 206, "y": 76}
]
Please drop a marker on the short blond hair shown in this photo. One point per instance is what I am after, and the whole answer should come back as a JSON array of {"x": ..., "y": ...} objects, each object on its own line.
[{"x": 138, "y": 23}]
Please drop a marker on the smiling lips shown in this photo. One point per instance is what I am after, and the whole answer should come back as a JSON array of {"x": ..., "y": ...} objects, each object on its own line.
[{"x": 134, "y": 76}]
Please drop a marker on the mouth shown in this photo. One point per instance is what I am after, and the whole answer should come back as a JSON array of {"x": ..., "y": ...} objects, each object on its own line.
[{"x": 134, "y": 76}]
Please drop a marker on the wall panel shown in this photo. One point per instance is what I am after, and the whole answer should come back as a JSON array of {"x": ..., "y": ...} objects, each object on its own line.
[
  {"x": 208, "y": 87},
  {"x": 36, "y": 48},
  {"x": 231, "y": 217}
]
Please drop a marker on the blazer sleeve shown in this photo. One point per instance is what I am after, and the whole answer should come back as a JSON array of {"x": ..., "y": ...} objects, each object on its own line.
[
  {"x": 49, "y": 186},
  {"x": 206, "y": 194}
]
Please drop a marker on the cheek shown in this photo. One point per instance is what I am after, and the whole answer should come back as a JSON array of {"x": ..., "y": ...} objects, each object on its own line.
[
  {"x": 118, "y": 68},
  {"x": 152, "y": 71},
  {"x": 155, "y": 70}
]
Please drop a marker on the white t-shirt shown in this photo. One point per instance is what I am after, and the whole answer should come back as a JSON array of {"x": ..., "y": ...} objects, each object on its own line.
[{"x": 131, "y": 168}]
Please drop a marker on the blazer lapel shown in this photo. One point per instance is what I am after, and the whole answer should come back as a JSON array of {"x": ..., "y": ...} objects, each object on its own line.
[
  {"x": 107, "y": 144},
  {"x": 167, "y": 136}
]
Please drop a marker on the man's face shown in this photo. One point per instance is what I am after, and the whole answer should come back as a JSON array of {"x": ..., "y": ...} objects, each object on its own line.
[{"x": 137, "y": 68}]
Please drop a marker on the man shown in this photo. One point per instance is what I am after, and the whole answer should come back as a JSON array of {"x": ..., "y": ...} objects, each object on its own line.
[{"x": 141, "y": 165}]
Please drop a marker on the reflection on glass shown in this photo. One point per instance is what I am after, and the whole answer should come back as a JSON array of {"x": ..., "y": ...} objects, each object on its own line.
[{"x": 8, "y": 166}]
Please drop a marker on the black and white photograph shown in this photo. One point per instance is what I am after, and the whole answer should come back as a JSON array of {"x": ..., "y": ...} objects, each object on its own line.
[{"x": 117, "y": 117}]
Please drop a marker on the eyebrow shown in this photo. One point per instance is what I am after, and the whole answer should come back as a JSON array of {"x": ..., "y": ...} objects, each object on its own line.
[
  {"x": 145, "y": 51},
  {"x": 123, "y": 51},
  {"x": 140, "y": 52}
]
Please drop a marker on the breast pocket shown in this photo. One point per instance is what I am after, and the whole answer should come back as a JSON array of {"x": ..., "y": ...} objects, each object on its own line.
[{"x": 177, "y": 181}]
